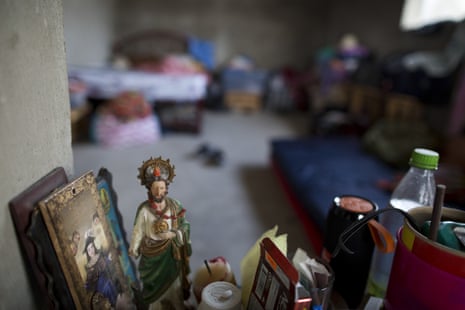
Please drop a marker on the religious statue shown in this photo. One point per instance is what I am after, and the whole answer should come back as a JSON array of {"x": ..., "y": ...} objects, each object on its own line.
[{"x": 161, "y": 237}]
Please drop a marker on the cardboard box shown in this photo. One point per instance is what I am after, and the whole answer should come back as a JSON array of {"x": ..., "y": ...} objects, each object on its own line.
[
  {"x": 253, "y": 81},
  {"x": 243, "y": 101}
]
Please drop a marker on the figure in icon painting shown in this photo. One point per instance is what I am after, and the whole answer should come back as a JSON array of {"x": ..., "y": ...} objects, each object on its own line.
[
  {"x": 74, "y": 242},
  {"x": 95, "y": 262},
  {"x": 100, "y": 276}
]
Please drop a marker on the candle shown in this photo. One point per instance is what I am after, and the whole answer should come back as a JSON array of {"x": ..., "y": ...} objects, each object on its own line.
[{"x": 213, "y": 270}]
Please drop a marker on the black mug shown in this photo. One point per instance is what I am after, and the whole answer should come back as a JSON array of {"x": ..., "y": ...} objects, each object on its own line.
[{"x": 351, "y": 270}]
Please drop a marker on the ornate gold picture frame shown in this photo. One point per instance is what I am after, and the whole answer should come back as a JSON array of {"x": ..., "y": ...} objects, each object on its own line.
[{"x": 81, "y": 237}]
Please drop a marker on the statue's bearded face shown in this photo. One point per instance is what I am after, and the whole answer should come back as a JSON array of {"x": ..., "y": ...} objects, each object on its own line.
[{"x": 158, "y": 191}]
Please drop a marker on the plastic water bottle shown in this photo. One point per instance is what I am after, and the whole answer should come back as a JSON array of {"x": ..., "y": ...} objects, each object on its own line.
[{"x": 416, "y": 188}]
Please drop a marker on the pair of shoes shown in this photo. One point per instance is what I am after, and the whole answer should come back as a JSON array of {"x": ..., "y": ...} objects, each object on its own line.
[{"x": 213, "y": 156}]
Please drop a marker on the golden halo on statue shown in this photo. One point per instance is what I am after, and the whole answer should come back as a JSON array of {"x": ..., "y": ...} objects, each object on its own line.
[{"x": 156, "y": 167}]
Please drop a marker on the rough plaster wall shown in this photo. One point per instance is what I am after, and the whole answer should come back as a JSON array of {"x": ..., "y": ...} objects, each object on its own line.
[
  {"x": 88, "y": 26},
  {"x": 35, "y": 129},
  {"x": 376, "y": 24}
]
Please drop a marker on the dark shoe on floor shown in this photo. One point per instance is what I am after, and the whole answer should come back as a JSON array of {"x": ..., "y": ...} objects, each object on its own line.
[
  {"x": 203, "y": 150},
  {"x": 215, "y": 158}
]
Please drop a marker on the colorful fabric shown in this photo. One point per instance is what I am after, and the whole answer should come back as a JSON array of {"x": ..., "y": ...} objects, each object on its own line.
[
  {"x": 157, "y": 273},
  {"x": 100, "y": 279},
  {"x": 109, "y": 131}
]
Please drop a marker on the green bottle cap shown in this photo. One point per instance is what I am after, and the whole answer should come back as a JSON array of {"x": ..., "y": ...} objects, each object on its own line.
[{"x": 424, "y": 158}]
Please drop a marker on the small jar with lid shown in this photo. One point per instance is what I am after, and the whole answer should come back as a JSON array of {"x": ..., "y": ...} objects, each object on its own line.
[{"x": 351, "y": 270}]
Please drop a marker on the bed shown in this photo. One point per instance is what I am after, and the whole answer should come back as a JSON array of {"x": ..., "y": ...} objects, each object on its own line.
[{"x": 169, "y": 69}]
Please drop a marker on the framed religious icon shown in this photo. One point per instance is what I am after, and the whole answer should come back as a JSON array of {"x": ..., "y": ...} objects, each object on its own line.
[
  {"x": 109, "y": 201},
  {"x": 37, "y": 249},
  {"x": 81, "y": 237}
]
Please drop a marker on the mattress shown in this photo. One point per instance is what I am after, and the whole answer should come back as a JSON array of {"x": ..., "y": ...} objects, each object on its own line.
[
  {"x": 107, "y": 83},
  {"x": 315, "y": 170}
]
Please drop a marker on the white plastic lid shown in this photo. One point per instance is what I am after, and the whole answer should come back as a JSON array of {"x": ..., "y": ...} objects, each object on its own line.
[{"x": 221, "y": 295}]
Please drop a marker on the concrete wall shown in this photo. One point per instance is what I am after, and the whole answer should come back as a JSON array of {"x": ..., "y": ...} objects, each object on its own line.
[
  {"x": 274, "y": 33},
  {"x": 88, "y": 28},
  {"x": 35, "y": 129}
]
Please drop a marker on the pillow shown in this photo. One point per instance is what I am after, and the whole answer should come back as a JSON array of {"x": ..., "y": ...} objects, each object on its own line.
[{"x": 393, "y": 140}]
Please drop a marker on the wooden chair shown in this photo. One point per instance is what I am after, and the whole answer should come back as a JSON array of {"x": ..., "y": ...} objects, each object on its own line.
[{"x": 365, "y": 103}]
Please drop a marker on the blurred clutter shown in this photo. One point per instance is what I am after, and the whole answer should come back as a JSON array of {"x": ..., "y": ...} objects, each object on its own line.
[
  {"x": 243, "y": 84},
  {"x": 126, "y": 120},
  {"x": 271, "y": 279}
]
